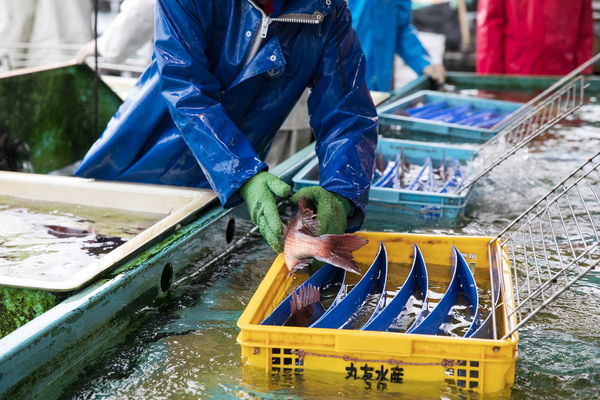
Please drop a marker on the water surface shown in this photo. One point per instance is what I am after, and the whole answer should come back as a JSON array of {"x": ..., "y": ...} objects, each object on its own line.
[{"x": 185, "y": 348}]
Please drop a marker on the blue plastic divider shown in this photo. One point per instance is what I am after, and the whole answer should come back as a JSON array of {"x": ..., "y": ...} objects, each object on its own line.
[
  {"x": 326, "y": 275},
  {"x": 469, "y": 289},
  {"x": 463, "y": 281},
  {"x": 486, "y": 330},
  {"x": 382, "y": 285},
  {"x": 429, "y": 109},
  {"x": 416, "y": 280},
  {"x": 390, "y": 173},
  {"x": 419, "y": 110},
  {"x": 478, "y": 117},
  {"x": 341, "y": 315},
  {"x": 428, "y": 180},
  {"x": 398, "y": 116},
  {"x": 456, "y": 180},
  {"x": 451, "y": 114}
]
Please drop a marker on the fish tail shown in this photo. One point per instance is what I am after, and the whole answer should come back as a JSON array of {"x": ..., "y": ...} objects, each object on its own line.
[{"x": 339, "y": 250}]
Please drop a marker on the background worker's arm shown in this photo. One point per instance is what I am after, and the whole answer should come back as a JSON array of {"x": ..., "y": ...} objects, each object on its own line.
[
  {"x": 408, "y": 45},
  {"x": 193, "y": 97},
  {"x": 132, "y": 28},
  {"x": 343, "y": 117}
]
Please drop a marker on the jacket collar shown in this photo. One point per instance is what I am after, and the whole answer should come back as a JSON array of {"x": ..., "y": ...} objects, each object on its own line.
[{"x": 305, "y": 6}]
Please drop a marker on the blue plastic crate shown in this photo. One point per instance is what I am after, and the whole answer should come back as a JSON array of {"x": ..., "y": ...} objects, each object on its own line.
[
  {"x": 390, "y": 119},
  {"x": 383, "y": 201}
]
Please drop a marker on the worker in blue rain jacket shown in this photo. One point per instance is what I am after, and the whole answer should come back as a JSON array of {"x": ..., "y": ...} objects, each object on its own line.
[
  {"x": 224, "y": 77},
  {"x": 384, "y": 28}
]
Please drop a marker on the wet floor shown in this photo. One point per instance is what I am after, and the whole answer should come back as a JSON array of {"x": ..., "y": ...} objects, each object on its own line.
[{"x": 184, "y": 347}]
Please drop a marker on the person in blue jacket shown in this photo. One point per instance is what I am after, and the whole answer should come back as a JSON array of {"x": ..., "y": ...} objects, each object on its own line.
[
  {"x": 224, "y": 77},
  {"x": 384, "y": 28}
]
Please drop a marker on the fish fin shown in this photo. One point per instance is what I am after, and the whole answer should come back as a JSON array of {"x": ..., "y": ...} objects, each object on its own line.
[
  {"x": 310, "y": 225},
  {"x": 303, "y": 262},
  {"x": 405, "y": 165},
  {"x": 380, "y": 161},
  {"x": 304, "y": 296},
  {"x": 340, "y": 248}
]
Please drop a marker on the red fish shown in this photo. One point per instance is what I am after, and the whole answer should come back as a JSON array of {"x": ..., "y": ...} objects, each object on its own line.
[
  {"x": 306, "y": 306},
  {"x": 302, "y": 243}
]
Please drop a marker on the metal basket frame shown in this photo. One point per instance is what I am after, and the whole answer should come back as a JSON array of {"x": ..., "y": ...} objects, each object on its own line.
[
  {"x": 552, "y": 245},
  {"x": 536, "y": 117}
]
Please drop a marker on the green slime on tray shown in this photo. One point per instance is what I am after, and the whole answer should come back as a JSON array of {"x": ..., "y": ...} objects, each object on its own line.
[{"x": 19, "y": 306}]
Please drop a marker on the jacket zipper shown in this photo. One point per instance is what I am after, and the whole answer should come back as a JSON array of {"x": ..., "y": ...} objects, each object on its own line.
[{"x": 296, "y": 18}]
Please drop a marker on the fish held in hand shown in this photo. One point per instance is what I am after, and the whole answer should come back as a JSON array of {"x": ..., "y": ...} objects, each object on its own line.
[
  {"x": 306, "y": 306},
  {"x": 302, "y": 243}
]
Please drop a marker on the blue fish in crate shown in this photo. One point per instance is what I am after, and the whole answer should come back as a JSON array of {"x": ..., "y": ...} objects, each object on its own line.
[{"x": 394, "y": 172}]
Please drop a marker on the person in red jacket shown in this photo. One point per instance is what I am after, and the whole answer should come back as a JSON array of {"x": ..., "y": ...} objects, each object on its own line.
[{"x": 533, "y": 37}]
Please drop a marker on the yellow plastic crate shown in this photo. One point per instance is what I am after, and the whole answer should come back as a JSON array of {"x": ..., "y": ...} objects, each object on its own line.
[{"x": 385, "y": 359}]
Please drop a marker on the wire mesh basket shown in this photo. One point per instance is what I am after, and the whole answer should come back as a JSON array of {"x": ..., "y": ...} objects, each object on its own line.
[
  {"x": 553, "y": 244},
  {"x": 544, "y": 111}
]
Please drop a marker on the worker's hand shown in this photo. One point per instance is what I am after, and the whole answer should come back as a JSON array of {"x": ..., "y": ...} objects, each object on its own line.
[
  {"x": 437, "y": 72},
  {"x": 332, "y": 209},
  {"x": 85, "y": 51},
  {"x": 259, "y": 193}
]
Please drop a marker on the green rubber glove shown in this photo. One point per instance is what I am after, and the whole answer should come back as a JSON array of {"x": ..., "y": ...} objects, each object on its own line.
[
  {"x": 333, "y": 210},
  {"x": 259, "y": 193}
]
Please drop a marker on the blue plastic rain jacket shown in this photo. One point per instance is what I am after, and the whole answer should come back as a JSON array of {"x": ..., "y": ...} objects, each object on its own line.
[
  {"x": 224, "y": 78},
  {"x": 384, "y": 28}
]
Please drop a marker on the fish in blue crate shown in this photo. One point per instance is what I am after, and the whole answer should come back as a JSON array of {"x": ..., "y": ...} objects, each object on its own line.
[
  {"x": 401, "y": 174},
  {"x": 391, "y": 173},
  {"x": 454, "y": 181},
  {"x": 491, "y": 121}
]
